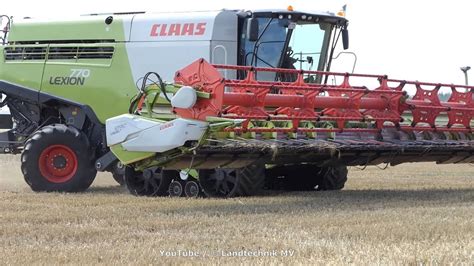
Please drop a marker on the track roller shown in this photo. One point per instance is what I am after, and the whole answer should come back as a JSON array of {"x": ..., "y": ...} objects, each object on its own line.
[
  {"x": 192, "y": 189},
  {"x": 175, "y": 189}
]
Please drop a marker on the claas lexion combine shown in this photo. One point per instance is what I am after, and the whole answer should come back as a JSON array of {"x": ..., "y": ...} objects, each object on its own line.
[{"x": 253, "y": 104}]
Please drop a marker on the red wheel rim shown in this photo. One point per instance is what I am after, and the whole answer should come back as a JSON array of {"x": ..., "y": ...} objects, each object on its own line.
[{"x": 58, "y": 163}]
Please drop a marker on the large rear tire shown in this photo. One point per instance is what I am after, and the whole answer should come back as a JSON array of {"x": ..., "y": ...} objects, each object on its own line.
[
  {"x": 58, "y": 158},
  {"x": 228, "y": 183}
]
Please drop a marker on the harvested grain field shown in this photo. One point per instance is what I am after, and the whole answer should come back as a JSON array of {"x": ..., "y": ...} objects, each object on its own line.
[{"x": 413, "y": 213}]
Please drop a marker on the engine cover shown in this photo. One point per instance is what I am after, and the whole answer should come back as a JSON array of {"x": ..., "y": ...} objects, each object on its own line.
[{"x": 135, "y": 133}]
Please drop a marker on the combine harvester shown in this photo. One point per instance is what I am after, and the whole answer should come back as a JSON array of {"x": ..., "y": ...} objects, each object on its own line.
[{"x": 259, "y": 109}]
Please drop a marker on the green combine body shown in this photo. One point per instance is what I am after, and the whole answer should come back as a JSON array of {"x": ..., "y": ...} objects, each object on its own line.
[
  {"x": 62, "y": 79},
  {"x": 80, "y": 61}
]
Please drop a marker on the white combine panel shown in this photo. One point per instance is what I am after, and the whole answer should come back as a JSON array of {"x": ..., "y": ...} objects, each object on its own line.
[
  {"x": 4, "y": 111},
  {"x": 135, "y": 133}
]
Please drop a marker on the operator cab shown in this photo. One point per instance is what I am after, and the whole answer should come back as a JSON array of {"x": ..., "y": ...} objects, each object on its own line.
[{"x": 291, "y": 40}]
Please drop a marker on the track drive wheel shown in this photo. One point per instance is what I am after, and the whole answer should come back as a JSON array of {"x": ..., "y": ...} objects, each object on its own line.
[
  {"x": 58, "y": 158},
  {"x": 228, "y": 183},
  {"x": 152, "y": 182}
]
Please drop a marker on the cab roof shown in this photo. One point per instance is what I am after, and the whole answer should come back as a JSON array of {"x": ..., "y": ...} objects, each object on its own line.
[{"x": 301, "y": 15}]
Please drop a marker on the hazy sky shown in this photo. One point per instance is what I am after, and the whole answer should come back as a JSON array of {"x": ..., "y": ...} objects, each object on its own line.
[{"x": 405, "y": 39}]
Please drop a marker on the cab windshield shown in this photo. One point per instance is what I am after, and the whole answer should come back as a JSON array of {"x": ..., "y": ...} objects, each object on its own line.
[{"x": 287, "y": 44}]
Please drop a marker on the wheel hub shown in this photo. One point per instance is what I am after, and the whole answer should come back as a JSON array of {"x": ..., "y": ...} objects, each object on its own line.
[
  {"x": 58, "y": 163},
  {"x": 175, "y": 189},
  {"x": 220, "y": 175},
  {"x": 191, "y": 189}
]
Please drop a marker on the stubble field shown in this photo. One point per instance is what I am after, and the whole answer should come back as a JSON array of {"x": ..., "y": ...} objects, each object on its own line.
[{"x": 410, "y": 214}]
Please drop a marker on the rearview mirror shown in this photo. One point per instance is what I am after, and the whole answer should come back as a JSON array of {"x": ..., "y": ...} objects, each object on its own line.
[
  {"x": 345, "y": 38},
  {"x": 252, "y": 29}
]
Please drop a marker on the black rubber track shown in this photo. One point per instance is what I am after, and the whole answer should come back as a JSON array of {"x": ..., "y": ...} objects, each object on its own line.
[
  {"x": 119, "y": 178},
  {"x": 252, "y": 178},
  {"x": 333, "y": 178},
  {"x": 302, "y": 177},
  {"x": 305, "y": 177},
  {"x": 58, "y": 134}
]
